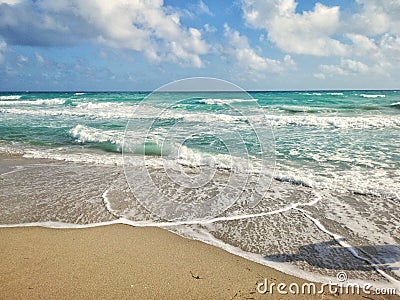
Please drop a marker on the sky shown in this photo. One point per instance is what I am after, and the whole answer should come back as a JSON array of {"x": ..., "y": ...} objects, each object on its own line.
[{"x": 140, "y": 45}]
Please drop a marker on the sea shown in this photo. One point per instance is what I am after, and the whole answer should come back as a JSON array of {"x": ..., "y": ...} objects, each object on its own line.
[{"x": 306, "y": 182}]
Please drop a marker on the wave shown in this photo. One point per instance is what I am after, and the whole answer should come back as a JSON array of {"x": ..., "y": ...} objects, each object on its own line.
[
  {"x": 10, "y": 97},
  {"x": 89, "y": 158},
  {"x": 101, "y": 105},
  {"x": 84, "y": 134},
  {"x": 123, "y": 112},
  {"x": 358, "y": 182},
  {"x": 56, "y": 101},
  {"x": 305, "y": 109},
  {"x": 327, "y": 93},
  {"x": 216, "y": 101},
  {"x": 372, "y": 96},
  {"x": 395, "y": 105},
  {"x": 313, "y": 94},
  {"x": 335, "y": 93},
  {"x": 334, "y": 121}
]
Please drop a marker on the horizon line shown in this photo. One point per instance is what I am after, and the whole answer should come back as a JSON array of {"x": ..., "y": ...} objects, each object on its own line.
[{"x": 193, "y": 91}]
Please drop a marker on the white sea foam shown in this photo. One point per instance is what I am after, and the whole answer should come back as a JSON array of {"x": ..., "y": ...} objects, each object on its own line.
[
  {"x": 84, "y": 134},
  {"x": 101, "y": 105},
  {"x": 335, "y": 94},
  {"x": 90, "y": 158},
  {"x": 377, "y": 183},
  {"x": 352, "y": 181},
  {"x": 123, "y": 111},
  {"x": 56, "y": 101},
  {"x": 335, "y": 121},
  {"x": 342, "y": 242},
  {"x": 216, "y": 101},
  {"x": 372, "y": 96},
  {"x": 313, "y": 94},
  {"x": 107, "y": 204},
  {"x": 10, "y": 97}
]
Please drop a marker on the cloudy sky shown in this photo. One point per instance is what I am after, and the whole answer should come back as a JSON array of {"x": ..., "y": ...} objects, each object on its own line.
[{"x": 142, "y": 44}]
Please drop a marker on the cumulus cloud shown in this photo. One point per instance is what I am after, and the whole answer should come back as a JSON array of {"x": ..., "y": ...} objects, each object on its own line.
[
  {"x": 145, "y": 26},
  {"x": 377, "y": 17},
  {"x": 201, "y": 8},
  {"x": 247, "y": 58},
  {"x": 209, "y": 28},
  {"x": 3, "y": 48},
  {"x": 366, "y": 39},
  {"x": 307, "y": 33},
  {"x": 40, "y": 59},
  {"x": 346, "y": 67}
]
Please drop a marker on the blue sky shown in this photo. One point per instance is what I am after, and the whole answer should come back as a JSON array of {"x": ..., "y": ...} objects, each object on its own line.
[{"x": 142, "y": 44}]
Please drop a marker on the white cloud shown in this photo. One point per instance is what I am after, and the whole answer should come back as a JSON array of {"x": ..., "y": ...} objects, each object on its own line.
[
  {"x": 23, "y": 59},
  {"x": 374, "y": 32},
  {"x": 209, "y": 28},
  {"x": 202, "y": 8},
  {"x": 377, "y": 17},
  {"x": 142, "y": 25},
  {"x": 3, "y": 48},
  {"x": 366, "y": 39},
  {"x": 39, "y": 58},
  {"x": 307, "y": 33},
  {"x": 346, "y": 67},
  {"x": 247, "y": 58},
  {"x": 382, "y": 52},
  {"x": 10, "y": 2},
  {"x": 362, "y": 45}
]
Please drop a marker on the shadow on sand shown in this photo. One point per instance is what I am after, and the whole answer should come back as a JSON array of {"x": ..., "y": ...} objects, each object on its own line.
[{"x": 381, "y": 256}]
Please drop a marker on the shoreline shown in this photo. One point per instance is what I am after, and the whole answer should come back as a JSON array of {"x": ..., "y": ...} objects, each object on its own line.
[
  {"x": 44, "y": 238},
  {"x": 121, "y": 261}
]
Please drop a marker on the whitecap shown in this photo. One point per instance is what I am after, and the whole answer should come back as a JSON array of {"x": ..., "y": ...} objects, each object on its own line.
[
  {"x": 84, "y": 134},
  {"x": 55, "y": 101},
  {"x": 10, "y": 97},
  {"x": 372, "y": 96}
]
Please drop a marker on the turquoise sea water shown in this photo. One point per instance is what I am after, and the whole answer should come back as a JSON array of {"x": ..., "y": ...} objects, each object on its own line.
[
  {"x": 336, "y": 152},
  {"x": 315, "y": 132}
]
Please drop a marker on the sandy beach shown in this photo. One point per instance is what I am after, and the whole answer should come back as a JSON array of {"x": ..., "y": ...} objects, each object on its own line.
[{"x": 123, "y": 262}]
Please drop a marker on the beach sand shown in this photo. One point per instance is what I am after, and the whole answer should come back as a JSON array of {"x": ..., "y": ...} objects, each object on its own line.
[{"x": 125, "y": 262}]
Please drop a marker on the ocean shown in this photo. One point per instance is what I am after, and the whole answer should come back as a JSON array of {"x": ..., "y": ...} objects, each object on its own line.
[{"x": 307, "y": 182}]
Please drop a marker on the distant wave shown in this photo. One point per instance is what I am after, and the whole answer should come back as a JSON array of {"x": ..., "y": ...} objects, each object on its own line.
[
  {"x": 334, "y": 121},
  {"x": 335, "y": 94},
  {"x": 120, "y": 111},
  {"x": 305, "y": 109},
  {"x": 372, "y": 96},
  {"x": 327, "y": 93},
  {"x": 313, "y": 94},
  {"x": 11, "y": 97},
  {"x": 213, "y": 101},
  {"x": 56, "y": 101},
  {"x": 99, "y": 105}
]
